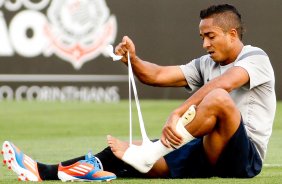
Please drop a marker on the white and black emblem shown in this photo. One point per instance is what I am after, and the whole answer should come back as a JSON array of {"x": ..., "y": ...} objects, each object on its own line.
[{"x": 79, "y": 30}]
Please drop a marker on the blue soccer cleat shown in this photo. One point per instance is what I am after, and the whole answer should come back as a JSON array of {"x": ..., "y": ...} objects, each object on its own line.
[
  {"x": 85, "y": 170},
  {"x": 24, "y": 166}
]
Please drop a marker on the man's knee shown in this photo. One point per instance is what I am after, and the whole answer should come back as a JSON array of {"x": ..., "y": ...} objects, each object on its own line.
[
  {"x": 220, "y": 98},
  {"x": 223, "y": 108}
]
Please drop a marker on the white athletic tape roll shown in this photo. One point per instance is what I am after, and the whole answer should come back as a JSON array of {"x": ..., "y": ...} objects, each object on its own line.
[{"x": 109, "y": 51}]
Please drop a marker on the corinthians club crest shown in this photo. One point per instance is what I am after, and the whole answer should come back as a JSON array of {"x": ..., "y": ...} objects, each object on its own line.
[{"x": 79, "y": 30}]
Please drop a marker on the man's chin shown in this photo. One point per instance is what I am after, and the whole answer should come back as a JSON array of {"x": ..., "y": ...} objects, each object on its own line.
[{"x": 215, "y": 59}]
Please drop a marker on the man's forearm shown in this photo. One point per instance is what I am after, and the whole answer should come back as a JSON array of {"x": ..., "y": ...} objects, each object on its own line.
[{"x": 145, "y": 71}]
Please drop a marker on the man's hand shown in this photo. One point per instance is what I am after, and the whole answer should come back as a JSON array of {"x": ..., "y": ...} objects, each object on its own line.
[
  {"x": 169, "y": 134},
  {"x": 125, "y": 46}
]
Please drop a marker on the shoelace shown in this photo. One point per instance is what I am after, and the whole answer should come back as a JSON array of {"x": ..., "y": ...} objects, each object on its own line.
[{"x": 93, "y": 161}]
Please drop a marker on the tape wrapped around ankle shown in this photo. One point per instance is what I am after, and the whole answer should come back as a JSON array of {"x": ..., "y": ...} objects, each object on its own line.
[
  {"x": 143, "y": 157},
  {"x": 186, "y": 118}
]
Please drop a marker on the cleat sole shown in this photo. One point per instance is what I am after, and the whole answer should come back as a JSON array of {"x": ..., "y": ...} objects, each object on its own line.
[
  {"x": 67, "y": 178},
  {"x": 10, "y": 158}
]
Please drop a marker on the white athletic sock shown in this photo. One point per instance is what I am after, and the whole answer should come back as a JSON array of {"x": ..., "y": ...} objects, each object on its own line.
[{"x": 143, "y": 157}]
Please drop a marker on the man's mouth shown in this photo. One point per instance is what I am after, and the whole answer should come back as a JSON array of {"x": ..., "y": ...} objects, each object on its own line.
[{"x": 211, "y": 52}]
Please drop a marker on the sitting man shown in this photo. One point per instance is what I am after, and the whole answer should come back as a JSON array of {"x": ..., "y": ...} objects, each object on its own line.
[{"x": 232, "y": 110}]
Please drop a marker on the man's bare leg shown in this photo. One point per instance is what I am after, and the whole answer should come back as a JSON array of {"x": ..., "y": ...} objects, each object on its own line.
[
  {"x": 217, "y": 120},
  {"x": 152, "y": 152}
]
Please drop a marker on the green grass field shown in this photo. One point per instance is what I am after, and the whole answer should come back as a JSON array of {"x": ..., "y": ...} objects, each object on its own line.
[{"x": 52, "y": 132}]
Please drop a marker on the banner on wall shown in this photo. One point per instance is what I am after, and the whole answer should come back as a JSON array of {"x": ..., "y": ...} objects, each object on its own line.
[
  {"x": 72, "y": 31},
  {"x": 54, "y": 49}
]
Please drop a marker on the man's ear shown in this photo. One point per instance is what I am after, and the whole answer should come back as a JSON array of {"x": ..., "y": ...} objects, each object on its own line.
[{"x": 234, "y": 34}]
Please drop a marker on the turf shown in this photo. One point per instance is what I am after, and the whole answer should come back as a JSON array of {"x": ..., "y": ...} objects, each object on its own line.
[{"x": 52, "y": 132}]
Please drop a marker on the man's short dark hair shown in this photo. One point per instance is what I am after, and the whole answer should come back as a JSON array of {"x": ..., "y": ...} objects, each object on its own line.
[{"x": 226, "y": 16}]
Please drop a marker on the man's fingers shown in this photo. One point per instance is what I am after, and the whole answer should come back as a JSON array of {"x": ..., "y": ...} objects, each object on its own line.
[
  {"x": 127, "y": 43},
  {"x": 121, "y": 51},
  {"x": 124, "y": 47},
  {"x": 173, "y": 141},
  {"x": 173, "y": 133},
  {"x": 172, "y": 137},
  {"x": 124, "y": 40},
  {"x": 119, "y": 47},
  {"x": 164, "y": 142}
]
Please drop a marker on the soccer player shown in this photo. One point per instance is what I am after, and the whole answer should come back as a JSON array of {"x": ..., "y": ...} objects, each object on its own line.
[
  {"x": 234, "y": 102},
  {"x": 235, "y": 105}
]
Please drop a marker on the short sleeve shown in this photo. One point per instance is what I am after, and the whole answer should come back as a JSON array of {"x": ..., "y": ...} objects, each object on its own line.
[
  {"x": 259, "y": 69},
  {"x": 193, "y": 76}
]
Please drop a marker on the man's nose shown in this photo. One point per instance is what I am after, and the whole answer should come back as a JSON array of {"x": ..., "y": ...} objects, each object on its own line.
[{"x": 206, "y": 43}]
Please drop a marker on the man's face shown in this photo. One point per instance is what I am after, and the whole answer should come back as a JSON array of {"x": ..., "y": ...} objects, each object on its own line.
[{"x": 216, "y": 42}]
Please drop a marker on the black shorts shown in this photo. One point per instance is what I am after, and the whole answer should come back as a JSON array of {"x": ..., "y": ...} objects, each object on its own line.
[{"x": 239, "y": 159}]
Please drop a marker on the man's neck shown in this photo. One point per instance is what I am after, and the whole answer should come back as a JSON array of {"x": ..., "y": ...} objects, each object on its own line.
[{"x": 234, "y": 53}]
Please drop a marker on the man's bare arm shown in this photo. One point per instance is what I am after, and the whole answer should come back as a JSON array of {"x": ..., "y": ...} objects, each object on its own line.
[
  {"x": 230, "y": 80},
  {"x": 150, "y": 73}
]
